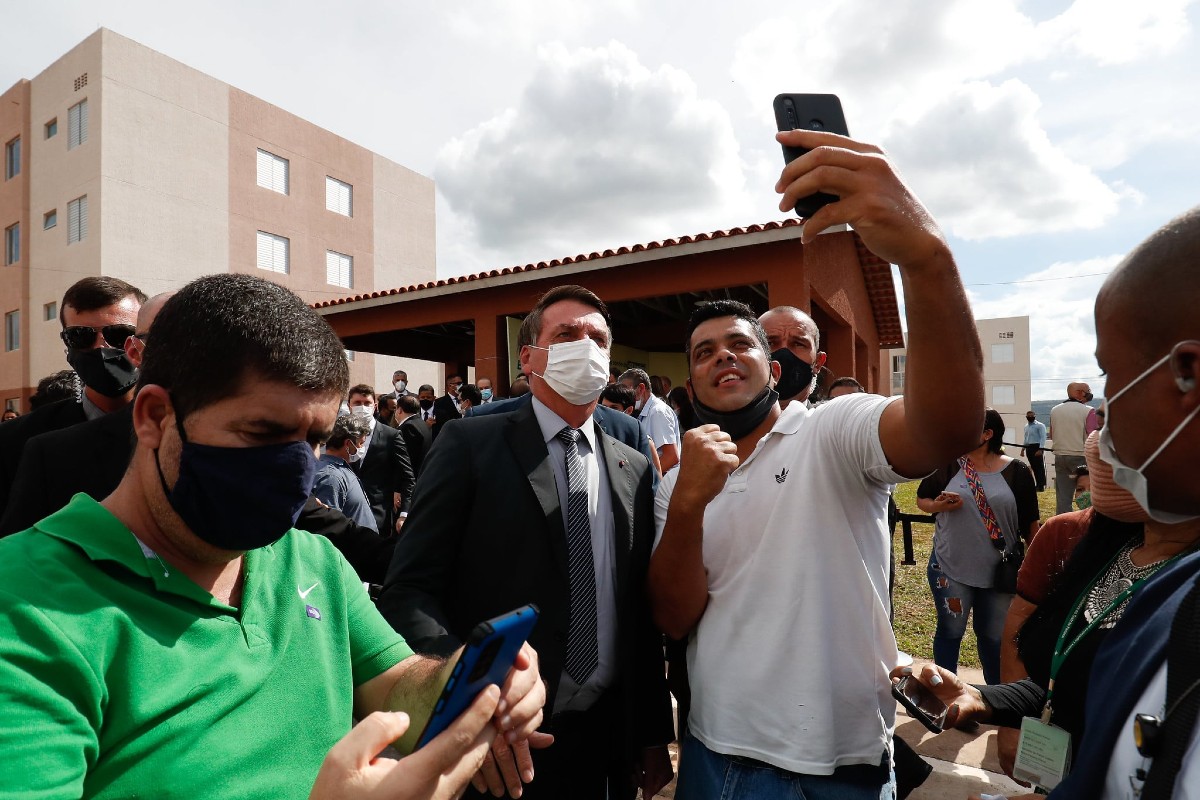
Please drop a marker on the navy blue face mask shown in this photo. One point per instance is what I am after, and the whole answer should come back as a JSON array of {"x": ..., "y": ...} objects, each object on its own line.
[
  {"x": 795, "y": 374},
  {"x": 240, "y": 498}
]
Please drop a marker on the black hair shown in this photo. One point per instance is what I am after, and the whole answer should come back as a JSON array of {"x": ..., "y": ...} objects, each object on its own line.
[
  {"x": 686, "y": 413},
  {"x": 1081, "y": 471},
  {"x": 409, "y": 404},
  {"x": 851, "y": 382},
  {"x": 531, "y": 326},
  {"x": 221, "y": 329},
  {"x": 57, "y": 386},
  {"x": 723, "y": 308},
  {"x": 992, "y": 421},
  {"x": 96, "y": 292},
  {"x": 470, "y": 392},
  {"x": 425, "y": 387},
  {"x": 620, "y": 394}
]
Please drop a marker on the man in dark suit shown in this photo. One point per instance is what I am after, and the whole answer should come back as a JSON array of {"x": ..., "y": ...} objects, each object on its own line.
[
  {"x": 42, "y": 486},
  {"x": 418, "y": 437},
  {"x": 99, "y": 318},
  {"x": 447, "y": 406},
  {"x": 384, "y": 469},
  {"x": 540, "y": 505}
]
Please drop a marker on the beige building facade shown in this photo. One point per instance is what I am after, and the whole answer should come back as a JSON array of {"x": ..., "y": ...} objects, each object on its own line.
[
  {"x": 1006, "y": 370},
  {"x": 133, "y": 165}
]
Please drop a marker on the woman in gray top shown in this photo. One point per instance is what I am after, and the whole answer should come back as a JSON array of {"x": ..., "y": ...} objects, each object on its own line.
[{"x": 983, "y": 504}]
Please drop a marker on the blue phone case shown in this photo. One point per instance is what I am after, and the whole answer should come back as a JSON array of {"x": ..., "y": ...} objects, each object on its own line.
[{"x": 487, "y": 657}]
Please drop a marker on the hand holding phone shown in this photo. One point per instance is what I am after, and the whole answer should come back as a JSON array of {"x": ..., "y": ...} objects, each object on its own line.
[
  {"x": 813, "y": 112},
  {"x": 921, "y": 703}
]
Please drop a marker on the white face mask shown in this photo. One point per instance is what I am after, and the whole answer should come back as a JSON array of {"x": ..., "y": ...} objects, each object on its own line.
[
  {"x": 356, "y": 456},
  {"x": 363, "y": 411},
  {"x": 577, "y": 371},
  {"x": 400, "y": 386},
  {"x": 1134, "y": 480}
]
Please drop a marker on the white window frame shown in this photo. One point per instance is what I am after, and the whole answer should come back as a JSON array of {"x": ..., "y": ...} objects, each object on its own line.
[
  {"x": 339, "y": 269},
  {"x": 77, "y": 124},
  {"x": 1008, "y": 391},
  {"x": 77, "y": 220},
  {"x": 274, "y": 253},
  {"x": 273, "y": 172},
  {"x": 1008, "y": 353},
  {"x": 339, "y": 197},
  {"x": 12, "y": 331},
  {"x": 50, "y": 219},
  {"x": 50, "y": 311}
]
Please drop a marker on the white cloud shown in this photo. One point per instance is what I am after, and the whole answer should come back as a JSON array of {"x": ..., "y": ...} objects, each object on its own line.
[
  {"x": 986, "y": 168},
  {"x": 1118, "y": 31},
  {"x": 599, "y": 151},
  {"x": 1062, "y": 328}
]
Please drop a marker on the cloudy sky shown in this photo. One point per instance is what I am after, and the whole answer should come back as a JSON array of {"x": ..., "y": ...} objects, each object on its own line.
[{"x": 1047, "y": 137}]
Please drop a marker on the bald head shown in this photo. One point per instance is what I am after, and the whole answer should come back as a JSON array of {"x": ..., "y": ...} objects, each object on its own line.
[
  {"x": 135, "y": 345},
  {"x": 1154, "y": 290},
  {"x": 784, "y": 317},
  {"x": 1078, "y": 391}
]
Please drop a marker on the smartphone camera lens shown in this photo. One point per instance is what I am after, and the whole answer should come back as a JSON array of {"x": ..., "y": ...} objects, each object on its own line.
[{"x": 816, "y": 125}]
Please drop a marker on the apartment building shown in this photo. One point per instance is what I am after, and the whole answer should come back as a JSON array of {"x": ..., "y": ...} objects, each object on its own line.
[
  {"x": 121, "y": 161},
  {"x": 1006, "y": 369}
]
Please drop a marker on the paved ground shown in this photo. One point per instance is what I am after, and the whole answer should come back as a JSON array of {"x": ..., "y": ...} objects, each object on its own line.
[{"x": 964, "y": 764}]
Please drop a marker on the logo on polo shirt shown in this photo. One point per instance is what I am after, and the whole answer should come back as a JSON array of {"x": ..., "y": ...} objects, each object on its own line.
[
  {"x": 313, "y": 612},
  {"x": 305, "y": 592},
  {"x": 782, "y": 476}
]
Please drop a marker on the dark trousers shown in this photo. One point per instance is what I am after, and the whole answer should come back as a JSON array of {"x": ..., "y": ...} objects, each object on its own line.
[
  {"x": 577, "y": 765},
  {"x": 1037, "y": 462}
]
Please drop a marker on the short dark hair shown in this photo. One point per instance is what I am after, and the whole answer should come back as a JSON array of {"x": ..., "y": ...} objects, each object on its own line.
[
  {"x": 399, "y": 372},
  {"x": 363, "y": 389},
  {"x": 1081, "y": 471},
  {"x": 470, "y": 393},
  {"x": 656, "y": 386},
  {"x": 722, "y": 308},
  {"x": 992, "y": 421},
  {"x": 847, "y": 381},
  {"x": 348, "y": 426},
  {"x": 618, "y": 393},
  {"x": 57, "y": 386},
  {"x": 531, "y": 326},
  {"x": 220, "y": 329},
  {"x": 96, "y": 292},
  {"x": 425, "y": 387},
  {"x": 409, "y": 404}
]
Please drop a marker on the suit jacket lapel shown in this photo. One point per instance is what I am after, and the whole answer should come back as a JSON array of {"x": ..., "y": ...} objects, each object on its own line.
[
  {"x": 621, "y": 488},
  {"x": 525, "y": 439}
]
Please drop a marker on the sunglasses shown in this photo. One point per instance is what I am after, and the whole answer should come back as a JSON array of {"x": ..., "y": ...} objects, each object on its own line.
[{"x": 81, "y": 337}]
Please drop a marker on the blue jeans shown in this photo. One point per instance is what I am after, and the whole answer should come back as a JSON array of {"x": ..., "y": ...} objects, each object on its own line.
[
  {"x": 705, "y": 775},
  {"x": 953, "y": 602}
]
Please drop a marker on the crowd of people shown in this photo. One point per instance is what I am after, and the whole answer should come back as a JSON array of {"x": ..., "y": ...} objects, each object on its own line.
[{"x": 219, "y": 555}]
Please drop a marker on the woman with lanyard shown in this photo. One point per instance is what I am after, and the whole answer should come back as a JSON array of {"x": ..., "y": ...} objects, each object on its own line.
[{"x": 1088, "y": 593}]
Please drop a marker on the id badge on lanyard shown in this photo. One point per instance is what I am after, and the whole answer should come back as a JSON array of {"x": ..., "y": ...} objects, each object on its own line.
[{"x": 1043, "y": 754}]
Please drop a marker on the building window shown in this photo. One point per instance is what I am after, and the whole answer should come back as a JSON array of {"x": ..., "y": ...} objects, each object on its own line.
[
  {"x": 12, "y": 331},
  {"x": 77, "y": 220},
  {"x": 52, "y": 128},
  {"x": 12, "y": 244},
  {"x": 12, "y": 158},
  {"x": 81, "y": 82},
  {"x": 272, "y": 172},
  {"x": 50, "y": 219},
  {"x": 273, "y": 252},
  {"x": 1004, "y": 395},
  {"x": 339, "y": 269},
  {"x": 77, "y": 125},
  {"x": 1002, "y": 354},
  {"x": 339, "y": 197},
  {"x": 349, "y": 355},
  {"x": 50, "y": 311},
  {"x": 12, "y": 404}
]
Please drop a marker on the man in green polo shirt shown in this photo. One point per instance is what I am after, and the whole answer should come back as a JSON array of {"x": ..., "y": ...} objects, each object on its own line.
[{"x": 178, "y": 639}]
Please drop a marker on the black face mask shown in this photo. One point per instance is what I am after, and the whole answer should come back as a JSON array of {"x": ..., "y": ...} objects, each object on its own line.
[
  {"x": 795, "y": 374},
  {"x": 739, "y": 423},
  {"x": 106, "y": 370},
  {"x": 426, "y": 404}
]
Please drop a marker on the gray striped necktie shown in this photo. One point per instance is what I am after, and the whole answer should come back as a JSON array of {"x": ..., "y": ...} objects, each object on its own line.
[{"x": 582, "y": 650}]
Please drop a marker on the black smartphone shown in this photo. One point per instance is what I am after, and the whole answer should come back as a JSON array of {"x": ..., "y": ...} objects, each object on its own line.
[
  {"x": 485, "y": 659},
  {"x": 921, "y": 703},
  {"x": 811, "y": 112}
]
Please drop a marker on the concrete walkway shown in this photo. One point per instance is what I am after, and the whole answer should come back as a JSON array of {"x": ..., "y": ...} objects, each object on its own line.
[{"x": 964, "y": 764}]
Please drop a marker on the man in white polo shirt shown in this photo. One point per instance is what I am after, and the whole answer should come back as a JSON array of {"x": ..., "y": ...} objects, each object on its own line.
[
  {"x": 1068, "y": 429},
  {"x": 772, "y": 554}
]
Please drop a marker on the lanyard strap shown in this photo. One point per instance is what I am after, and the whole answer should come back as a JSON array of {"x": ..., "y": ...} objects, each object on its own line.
[{"x": 1060, "y": 652}]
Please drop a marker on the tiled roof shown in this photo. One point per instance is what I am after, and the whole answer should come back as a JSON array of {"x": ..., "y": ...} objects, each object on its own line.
[{"x": 558, "y": 262}]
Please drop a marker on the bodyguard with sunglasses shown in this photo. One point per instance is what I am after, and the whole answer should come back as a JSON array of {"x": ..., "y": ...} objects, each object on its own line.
[{"x": 99, "y": 319}]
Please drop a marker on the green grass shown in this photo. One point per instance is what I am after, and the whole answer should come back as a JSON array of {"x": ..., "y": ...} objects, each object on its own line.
[{"x": 915, "y": 617}]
